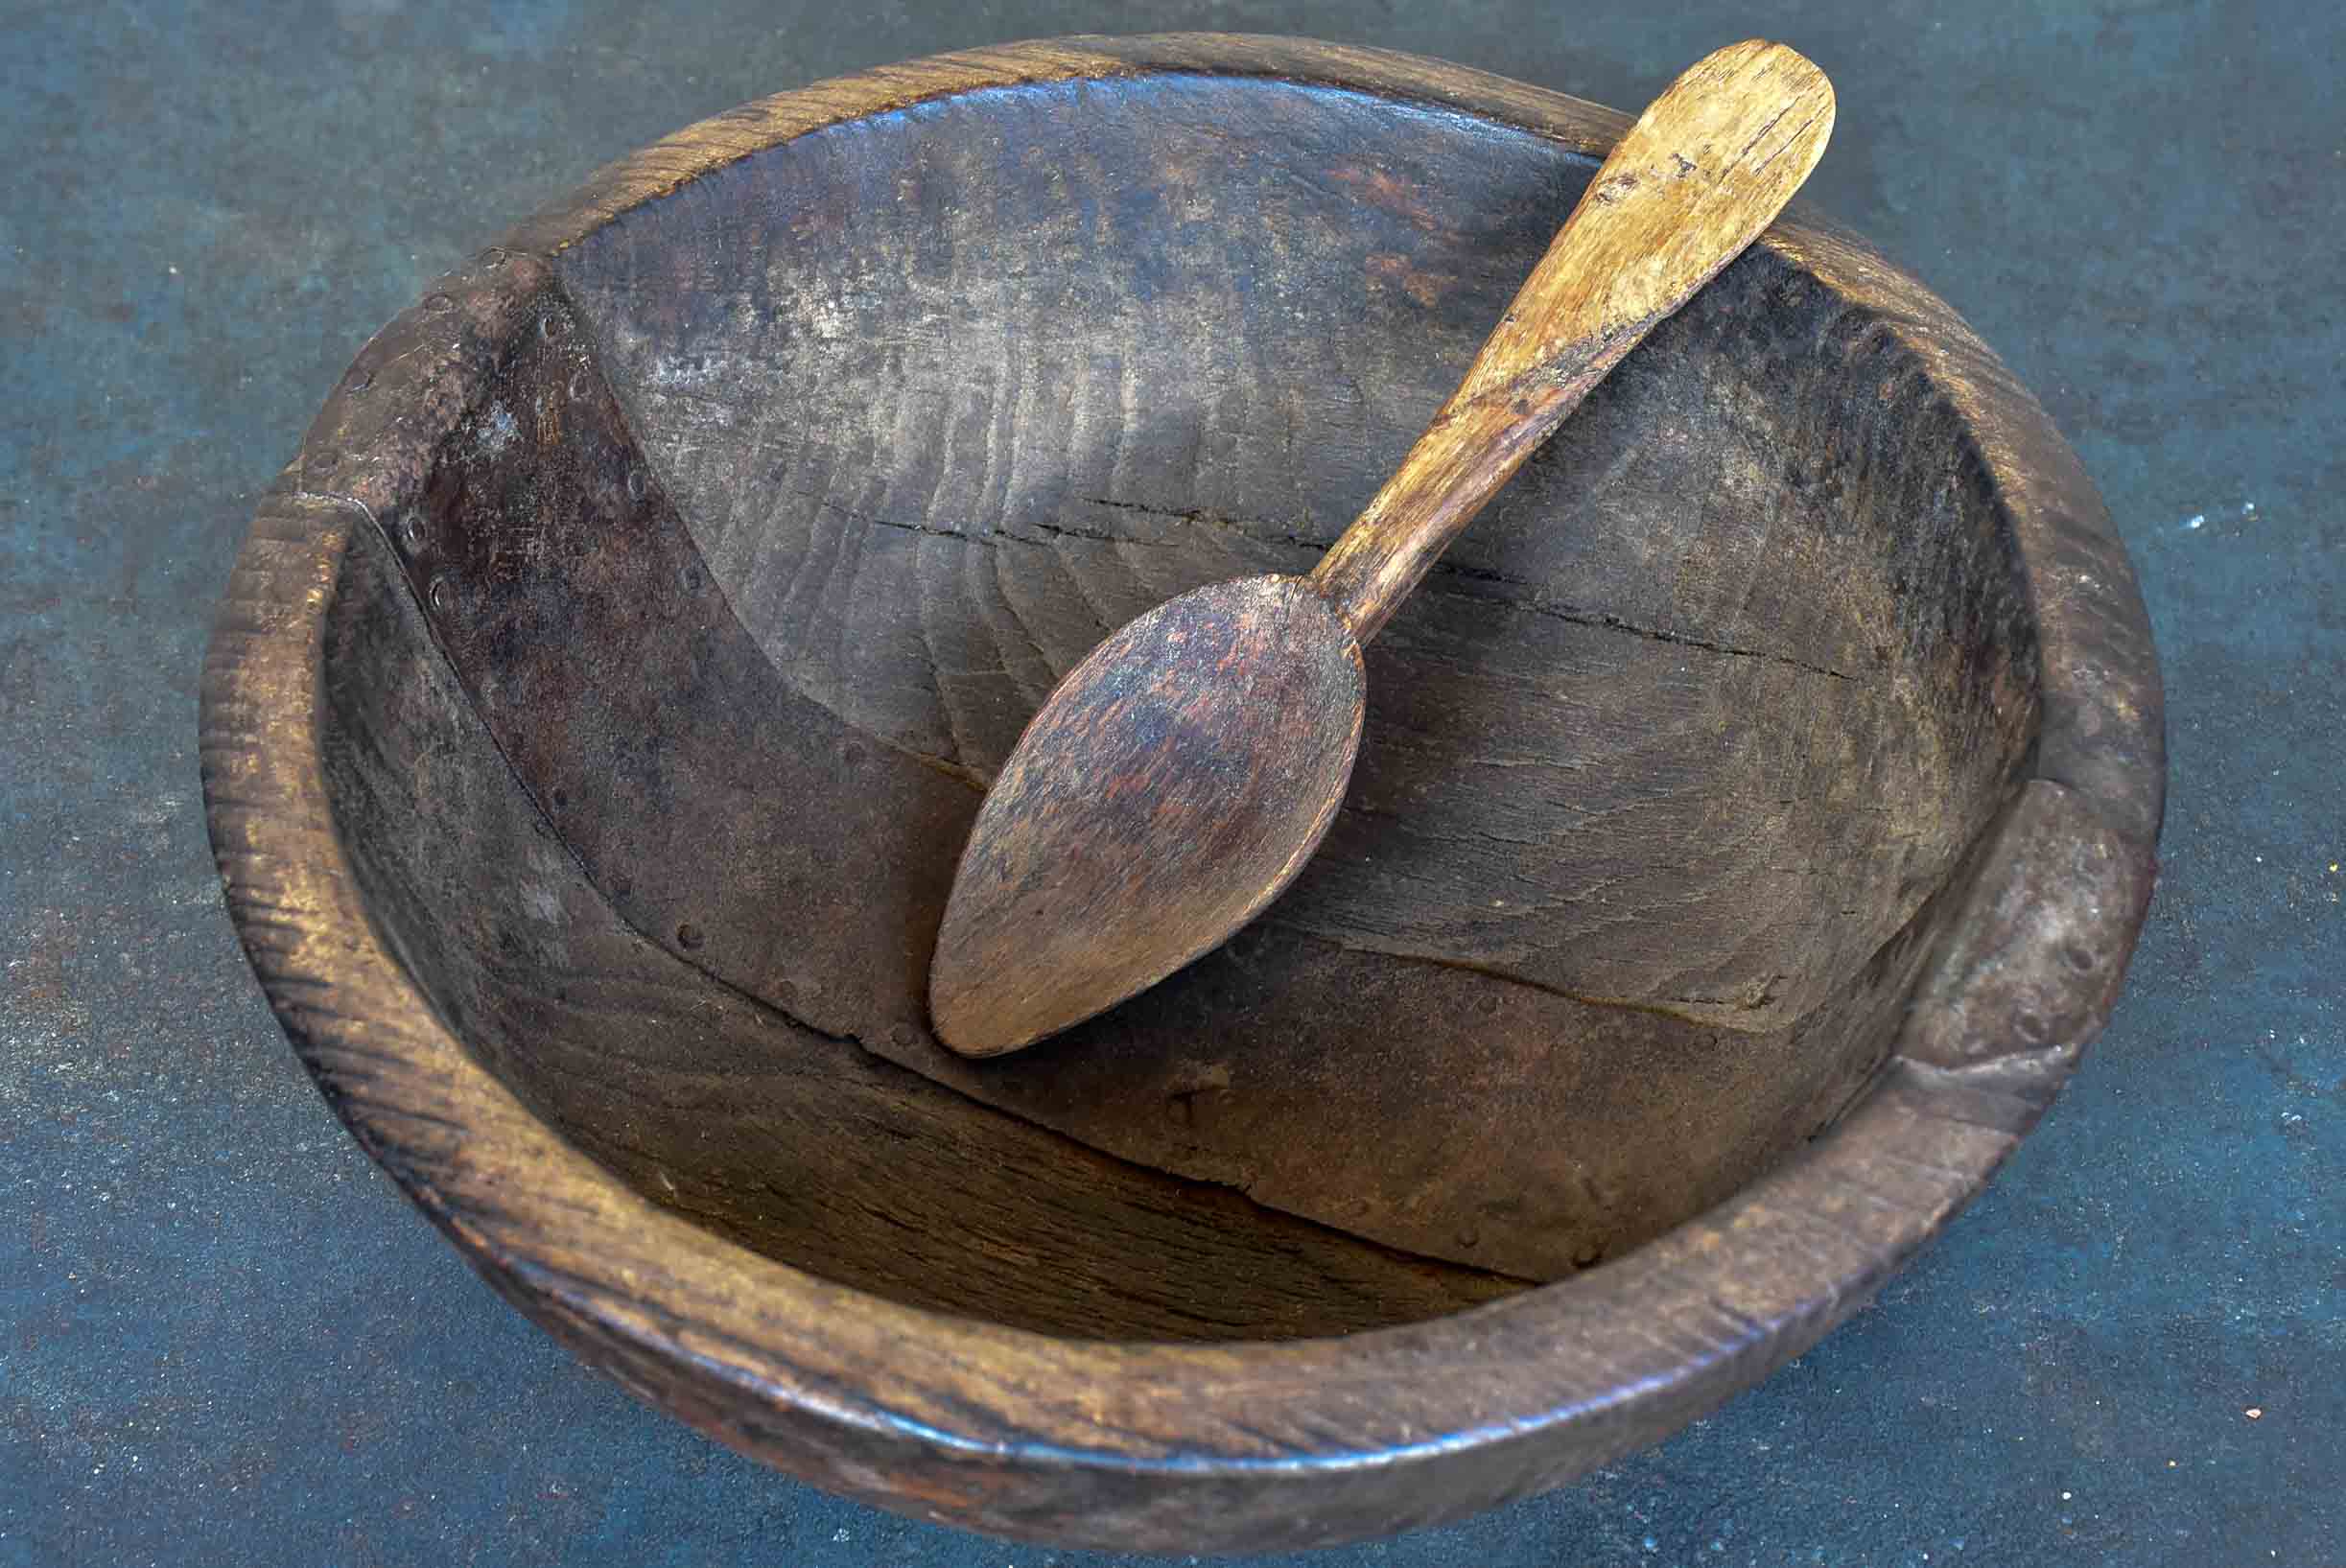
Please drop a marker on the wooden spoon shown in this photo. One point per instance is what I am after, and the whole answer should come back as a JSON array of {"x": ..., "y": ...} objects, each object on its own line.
[{"x": 1178, "y": 778}]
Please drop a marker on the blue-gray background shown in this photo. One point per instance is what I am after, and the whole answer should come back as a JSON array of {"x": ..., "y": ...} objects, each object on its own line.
[{"x": 224, "y": 1338}]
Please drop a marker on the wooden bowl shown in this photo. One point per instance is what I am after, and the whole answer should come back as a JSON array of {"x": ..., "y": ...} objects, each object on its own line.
[{"x": 1755, "y": 818}]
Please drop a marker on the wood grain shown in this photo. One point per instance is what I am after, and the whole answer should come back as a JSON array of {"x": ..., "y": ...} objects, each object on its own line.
[
  {"x": 1176, "y": 781},
  {"x": 1171, "y": 788},
  {"x": 933, "y": 459},
  {"x": 757, "y": 1128},
  {"x": 1134, "y": 1445},
  {"x": 1577, "y": 771},
  {"x": 551, "y": 531},
  {"x": 1707, "y": 167}
]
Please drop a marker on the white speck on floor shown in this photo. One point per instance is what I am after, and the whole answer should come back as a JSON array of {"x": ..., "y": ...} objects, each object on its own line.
[{"x": 502, "y": 427}]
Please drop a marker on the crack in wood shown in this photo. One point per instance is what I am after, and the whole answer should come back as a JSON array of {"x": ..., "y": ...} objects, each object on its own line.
[
  {"x": 983, "y": 540},
  {"x": 1606, "y": 620},
  {"x": 1201, "y": 517},
  {"x": 1570, "y": 613}
]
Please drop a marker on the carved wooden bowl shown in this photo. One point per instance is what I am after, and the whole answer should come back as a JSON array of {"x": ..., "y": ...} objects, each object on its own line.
[{"x": 1755, "y": 816}]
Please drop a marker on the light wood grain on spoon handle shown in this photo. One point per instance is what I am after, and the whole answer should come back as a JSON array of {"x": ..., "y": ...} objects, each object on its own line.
[{"x": 1706, "y": 168}]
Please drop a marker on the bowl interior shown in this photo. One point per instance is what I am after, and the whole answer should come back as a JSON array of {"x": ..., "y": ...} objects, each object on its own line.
[{"x": 656, "y": 729}]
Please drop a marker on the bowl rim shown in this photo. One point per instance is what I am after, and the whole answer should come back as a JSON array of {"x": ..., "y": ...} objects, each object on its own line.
[{"x": 1215, "y": 1446}]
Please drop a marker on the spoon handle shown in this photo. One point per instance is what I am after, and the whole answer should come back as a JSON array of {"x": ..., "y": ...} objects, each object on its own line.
[{"x": 1707, "y": 166}]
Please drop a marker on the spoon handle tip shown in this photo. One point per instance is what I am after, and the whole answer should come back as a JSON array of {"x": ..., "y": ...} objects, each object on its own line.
[{"x": 1704, "y": 170}]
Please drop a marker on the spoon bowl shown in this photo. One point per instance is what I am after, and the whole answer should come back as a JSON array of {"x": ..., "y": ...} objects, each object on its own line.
[{"x": 1197, "y": 758}]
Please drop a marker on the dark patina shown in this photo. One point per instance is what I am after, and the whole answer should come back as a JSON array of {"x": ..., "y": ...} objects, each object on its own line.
[{"x": 605, "y": 691}]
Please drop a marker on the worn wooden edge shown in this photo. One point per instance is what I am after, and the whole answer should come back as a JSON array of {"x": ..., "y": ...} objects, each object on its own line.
[
  {"x": 675, "y": 160},
  {"x": 1160, "y": 1446}
]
